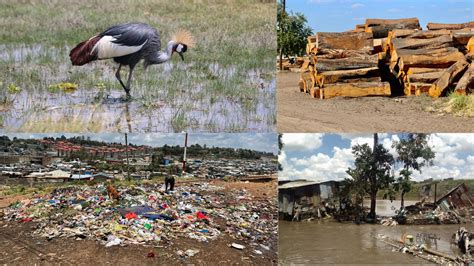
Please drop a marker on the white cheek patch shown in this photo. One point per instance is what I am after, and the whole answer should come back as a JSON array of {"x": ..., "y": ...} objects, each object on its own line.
[
  {"x": 179, "y": 48},
  {"x": 106, "y": 48}
]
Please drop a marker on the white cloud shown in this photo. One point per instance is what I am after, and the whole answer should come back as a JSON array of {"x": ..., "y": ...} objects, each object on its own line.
[
  {"x": 449, "y": 160},
  {"x": 302, "y": 141},
  {"x": 357, "y": 5}
]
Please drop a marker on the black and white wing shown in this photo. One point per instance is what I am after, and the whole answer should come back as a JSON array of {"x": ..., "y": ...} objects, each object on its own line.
[{"x": 123, "y": 39}]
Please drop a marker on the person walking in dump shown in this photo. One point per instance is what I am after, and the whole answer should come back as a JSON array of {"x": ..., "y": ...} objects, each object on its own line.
[
  {"x": 127, "y": 44},
  {"x": 169, "y": 180}
]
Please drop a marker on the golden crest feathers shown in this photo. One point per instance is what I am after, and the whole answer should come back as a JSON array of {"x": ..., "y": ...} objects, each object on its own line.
[{"x": 185, "y": 37}]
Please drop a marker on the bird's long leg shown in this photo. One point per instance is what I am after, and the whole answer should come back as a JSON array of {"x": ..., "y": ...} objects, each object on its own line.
[
  {"x": 117, "y": 75},
  {"x": 129, "y": 81}
]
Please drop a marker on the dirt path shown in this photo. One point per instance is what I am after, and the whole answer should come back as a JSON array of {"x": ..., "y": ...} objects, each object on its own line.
[{"x": 298, "y": 112}]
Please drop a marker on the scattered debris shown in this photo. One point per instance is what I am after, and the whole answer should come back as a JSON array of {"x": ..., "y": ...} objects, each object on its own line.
[
  {"x": 237, "y": 246},
  {"x": 146, "y": 215}
]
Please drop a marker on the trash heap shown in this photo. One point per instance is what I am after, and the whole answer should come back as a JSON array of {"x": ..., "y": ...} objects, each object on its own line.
[
  {"x": 421, "y": 214},
  {"x": 147, "y": 215}
]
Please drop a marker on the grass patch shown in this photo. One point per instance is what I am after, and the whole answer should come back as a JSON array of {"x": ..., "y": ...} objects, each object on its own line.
[
  {"x": 456, "y": 104},
  {"x": 442, "y": 188}
]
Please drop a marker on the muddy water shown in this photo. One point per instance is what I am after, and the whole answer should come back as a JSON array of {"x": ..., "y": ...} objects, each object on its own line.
[
  {"x": 328, "y": 242},
  {"x": 387, "y": 207}
]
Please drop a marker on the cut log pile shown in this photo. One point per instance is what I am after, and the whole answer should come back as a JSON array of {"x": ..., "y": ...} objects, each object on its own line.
[
  {"x": 360, "y": 62},
  {"x": 291, "y": 64}
]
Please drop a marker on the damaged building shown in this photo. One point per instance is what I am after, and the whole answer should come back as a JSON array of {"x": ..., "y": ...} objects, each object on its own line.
[
  {"x": 458, "y": 197},
  {"x": 304, "y": 199}
]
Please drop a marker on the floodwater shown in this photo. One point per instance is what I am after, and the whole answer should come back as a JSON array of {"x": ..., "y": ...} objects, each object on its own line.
[
  {"x": 329, "y": 242},
  {"x": 387, "y": 207}
]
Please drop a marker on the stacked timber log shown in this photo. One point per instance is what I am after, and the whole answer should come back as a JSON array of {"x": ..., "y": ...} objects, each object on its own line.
[
  {"x": 291, "y": 64},
  {"x": 427, "y": 62},
  {"x": 360, "y": 61},
  {"x": 342, "y": 64}
]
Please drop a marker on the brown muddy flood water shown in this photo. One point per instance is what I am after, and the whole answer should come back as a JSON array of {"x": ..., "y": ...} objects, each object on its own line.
[{"x": 328, "y": 242}]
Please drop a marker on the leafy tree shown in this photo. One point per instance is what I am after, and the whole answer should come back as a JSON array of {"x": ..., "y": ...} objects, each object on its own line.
[
  {"x": 373, "y": 167},
  {"x": 291, "y": 33},
  {"x": 280, "y": 148},
  {"x": 415, "y": 153}
]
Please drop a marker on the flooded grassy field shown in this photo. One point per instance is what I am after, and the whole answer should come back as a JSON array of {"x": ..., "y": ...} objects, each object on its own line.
[
  {"x": 326, "y": 242},
  {"x": 225, "y": 84}
]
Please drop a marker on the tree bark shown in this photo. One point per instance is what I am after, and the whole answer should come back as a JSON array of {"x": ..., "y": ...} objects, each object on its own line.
[
  {"x": 323, "y": 64},
  {"x": 373, "y": 181},
  {"x": 357, "y": 89},
  {"x": 439, "y": 26},
  {"x": 341, "y": 75},
  {"x": 345, "y": 40},
  {"x": 424, "y": 77},
  {"x": 429, "y": 61},
  {"x": 402, "y": 200},
  {"x": 413, "y": 43},
  {"x": 447, "y": 78},
  {"x": 466, "y": 83},
  {"x": 380, "y": 28},
  {"x": 462, "y": 37}
]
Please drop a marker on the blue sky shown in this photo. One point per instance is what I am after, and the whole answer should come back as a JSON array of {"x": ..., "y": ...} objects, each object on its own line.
[
  {"x": 323, "y": 157},
  {"x": 342, "y": 15},
  {"x": 255, "y": 141}
]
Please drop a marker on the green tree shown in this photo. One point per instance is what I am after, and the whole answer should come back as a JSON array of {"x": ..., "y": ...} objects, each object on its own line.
[
  {"x": 373, "y": 167},
  {"x": 280, "y": 148},
  {"x": 415, "y": 153},
  {"x": 291, "y": 33}
]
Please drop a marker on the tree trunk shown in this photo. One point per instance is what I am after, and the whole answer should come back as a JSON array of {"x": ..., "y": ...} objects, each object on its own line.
[
  {"x": 373, "y": 177},
  {"x": 381, "y": 27},
  {"x": 345, "y": 40},
  {"x": 439, "y": 26},
  {"x": 413, "y": 43},
  {"x": 466, "y": 83},
  {"x": 449, "y": 76},
  {"x": 429, "y": 61},
  {"x": 281, "y": 59},
  {"x": 402, "y": 200},
  {"x": 324, "y": 64}
]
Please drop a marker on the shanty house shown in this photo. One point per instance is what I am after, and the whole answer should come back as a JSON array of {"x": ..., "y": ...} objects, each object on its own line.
[
  {"x": 458, "y": 197},
  {"x": 307, "y": 195}
]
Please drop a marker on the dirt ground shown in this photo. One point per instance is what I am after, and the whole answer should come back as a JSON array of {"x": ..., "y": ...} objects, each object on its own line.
[
  {"x": 299, "y": 112},
  {"x": 18, "y": 246}
]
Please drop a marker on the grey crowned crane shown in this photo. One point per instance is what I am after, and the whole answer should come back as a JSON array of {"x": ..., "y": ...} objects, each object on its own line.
[{"x": 127, "y": 44}]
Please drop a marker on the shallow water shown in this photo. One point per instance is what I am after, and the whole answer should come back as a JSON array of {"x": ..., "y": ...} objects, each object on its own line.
[
  {"x": 327, "y": 242},
  {"x": 172, "y": 97}
]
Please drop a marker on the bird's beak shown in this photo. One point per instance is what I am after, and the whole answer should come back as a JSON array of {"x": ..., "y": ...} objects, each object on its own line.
[{"x": 181, "y": 55}]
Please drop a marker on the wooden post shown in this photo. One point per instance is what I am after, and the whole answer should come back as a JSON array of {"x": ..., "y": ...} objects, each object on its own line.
[{"x": 435, "y": 192}]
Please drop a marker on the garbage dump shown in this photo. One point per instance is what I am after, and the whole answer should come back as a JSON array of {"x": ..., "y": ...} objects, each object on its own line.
[{"x": 147, "y": 215}]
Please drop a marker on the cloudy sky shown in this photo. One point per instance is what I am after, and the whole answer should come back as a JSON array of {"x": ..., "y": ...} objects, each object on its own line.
[
  {"x": 255, "y": 141},
  {"x": 342, "y": 15},
  {"x": 323, "y": 157}
]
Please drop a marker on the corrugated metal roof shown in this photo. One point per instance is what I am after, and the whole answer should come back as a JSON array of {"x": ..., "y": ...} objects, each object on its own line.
[{"x": 296, "y": 184}]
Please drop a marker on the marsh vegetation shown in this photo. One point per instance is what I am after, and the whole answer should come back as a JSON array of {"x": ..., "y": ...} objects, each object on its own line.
[{"x": 226, "y": 83}]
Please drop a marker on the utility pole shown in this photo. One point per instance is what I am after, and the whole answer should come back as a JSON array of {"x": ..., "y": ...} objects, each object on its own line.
[
  {"x": 283, "y": 12},
  {"x": 128, "y": 163},
  {"x": 184, "y": 155}
]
